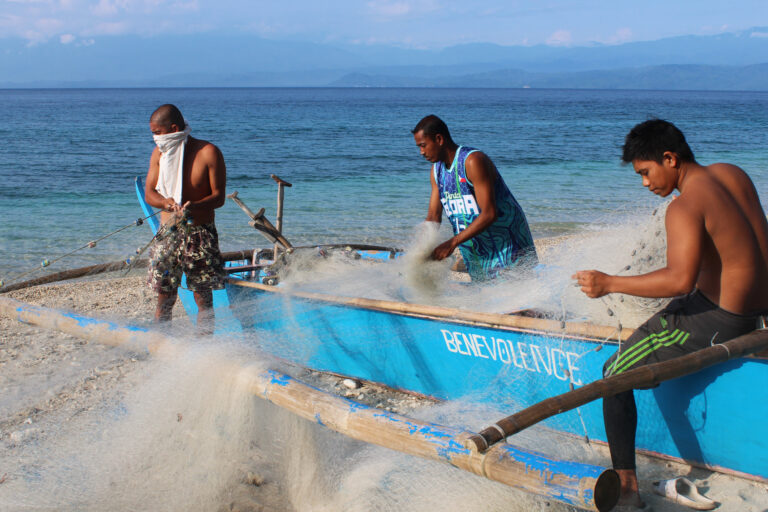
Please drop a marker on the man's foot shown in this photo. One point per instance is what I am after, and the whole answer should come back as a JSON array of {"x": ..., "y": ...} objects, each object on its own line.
[
  {"x": 632, "y": 503},
  {"x": 632, "y": 508},
  {"x": 632, "y": 500},
  {"x": 630, "y": 493}
]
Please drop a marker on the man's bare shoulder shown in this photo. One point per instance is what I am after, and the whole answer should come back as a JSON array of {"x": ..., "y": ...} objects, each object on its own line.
[
  {"x": 476, "y": 157},
  {"x": 201, "y": 144},
  {"x": 722, "y": 170},
  {"x": 730, "y": 176},
  {"x": 206, "y": 150},
  {"x": 685, "y": 204},
  {"x": 155, "y": 154},
  {"x": 724, "y": 167},
  {"x": 479, "y": 161}
]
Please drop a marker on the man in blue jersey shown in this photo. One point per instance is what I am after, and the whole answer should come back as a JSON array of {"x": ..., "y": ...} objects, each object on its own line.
[{"x": 489, "y": 225}]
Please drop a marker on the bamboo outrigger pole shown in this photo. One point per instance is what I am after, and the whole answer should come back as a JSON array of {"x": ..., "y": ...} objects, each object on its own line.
[
  {"x": 73, "y": 274},
  {"x": 101, "y": 268},
  {"x": 644, "y": 377},
  {"x": 581, "y": 485},
  {"x": 581, "y": 329}
]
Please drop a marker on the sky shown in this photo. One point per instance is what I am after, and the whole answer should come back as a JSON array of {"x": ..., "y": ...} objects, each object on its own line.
[{"x": 424, "y": 24}]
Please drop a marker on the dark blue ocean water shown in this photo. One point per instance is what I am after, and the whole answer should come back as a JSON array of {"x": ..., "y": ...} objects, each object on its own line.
[{"x": 69, "y": 158}]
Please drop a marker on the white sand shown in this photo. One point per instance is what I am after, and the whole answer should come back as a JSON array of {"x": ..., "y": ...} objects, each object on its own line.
[{"x": 50, "y": 381}]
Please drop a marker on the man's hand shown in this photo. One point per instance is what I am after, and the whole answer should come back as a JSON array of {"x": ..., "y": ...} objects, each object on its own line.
[
  {"x": 170, "y": 205},
  {"x": 444, "y": 250},
  {"x": 592, "y": 282}
]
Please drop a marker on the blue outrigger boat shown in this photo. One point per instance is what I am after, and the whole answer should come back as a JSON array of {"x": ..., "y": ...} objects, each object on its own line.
[{"x": 711, "y": 419}]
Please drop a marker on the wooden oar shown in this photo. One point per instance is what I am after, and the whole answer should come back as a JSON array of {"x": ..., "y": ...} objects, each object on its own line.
[{"x": 644, "y": 377}]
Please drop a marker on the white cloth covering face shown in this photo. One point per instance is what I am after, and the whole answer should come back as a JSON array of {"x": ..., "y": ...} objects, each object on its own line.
[{"x": 171, "y": 146}]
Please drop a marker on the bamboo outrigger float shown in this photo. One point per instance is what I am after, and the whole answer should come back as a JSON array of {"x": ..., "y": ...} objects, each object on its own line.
[{"x": 582, "y": 485}]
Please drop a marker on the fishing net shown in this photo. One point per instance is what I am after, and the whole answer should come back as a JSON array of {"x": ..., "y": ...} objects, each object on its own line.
[
  {"x": 55, "y": 265},
  {"x": 186, "y": 433},
  {"x": 169, "y": 436},
  {"x": 104, "y": 428},
  {"x": 631, "y": 246}
]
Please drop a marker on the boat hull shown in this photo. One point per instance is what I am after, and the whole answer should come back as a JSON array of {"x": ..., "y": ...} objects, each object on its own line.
[
  {"x": 509, "y": 368},
  {"x": 711, "y": 419}
]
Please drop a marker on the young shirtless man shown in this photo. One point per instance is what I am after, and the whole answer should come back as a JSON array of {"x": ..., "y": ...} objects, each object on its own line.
[
  {"x": 186, "y": 179},
  {"x": 717, "y": 259}
]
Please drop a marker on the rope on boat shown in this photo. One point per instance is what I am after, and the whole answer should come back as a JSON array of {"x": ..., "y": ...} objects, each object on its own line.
[
  {"x": 90, "y": 245},
  {"x": 565, "y": 370}
]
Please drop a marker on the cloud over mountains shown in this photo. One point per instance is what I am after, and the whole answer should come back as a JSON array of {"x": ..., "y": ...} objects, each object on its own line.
[{"x": 721, "y": 61}]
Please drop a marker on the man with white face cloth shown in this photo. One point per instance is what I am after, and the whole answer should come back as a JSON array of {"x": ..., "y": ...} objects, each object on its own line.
[
  {"x": 171, "y": 146},
  {"x": 187, "y": 180}
]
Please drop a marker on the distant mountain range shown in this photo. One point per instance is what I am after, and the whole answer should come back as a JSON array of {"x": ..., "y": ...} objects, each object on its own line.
[
  {"x": 667, "y": 77},
  {"x": 731, "y": 61}
]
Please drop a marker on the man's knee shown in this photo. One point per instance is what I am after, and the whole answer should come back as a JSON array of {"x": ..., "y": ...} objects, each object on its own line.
[
  {"x": 204, "y": 299},
  {"x": 167, "y": 297},
  {"x": 165, "y": 303},
  {"x": 620, "y": 411}
]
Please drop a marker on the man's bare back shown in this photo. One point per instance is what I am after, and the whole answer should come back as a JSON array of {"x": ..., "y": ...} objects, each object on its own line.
[{"x": 733, "y": 271}]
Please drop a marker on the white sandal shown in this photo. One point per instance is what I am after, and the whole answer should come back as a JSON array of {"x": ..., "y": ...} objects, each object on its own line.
[{"x": 682, "y": 491}]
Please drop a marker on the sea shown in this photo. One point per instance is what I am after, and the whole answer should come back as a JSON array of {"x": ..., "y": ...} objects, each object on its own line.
[
  {"x": 70, "y": 158},
  {"x": 111, "y": 430}
]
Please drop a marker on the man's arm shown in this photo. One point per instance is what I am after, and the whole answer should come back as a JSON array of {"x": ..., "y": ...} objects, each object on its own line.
[
  {"x": 217, "y": 175},
  {"x": 152, "y": 196},
  {"x": 685, "y": 237},
  {"x": 482, "y": 173},
  {"x": 435, "y": 210}
]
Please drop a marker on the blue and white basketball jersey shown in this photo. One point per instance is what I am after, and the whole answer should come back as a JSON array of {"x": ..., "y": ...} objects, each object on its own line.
[{"x": 505, "y": 243}]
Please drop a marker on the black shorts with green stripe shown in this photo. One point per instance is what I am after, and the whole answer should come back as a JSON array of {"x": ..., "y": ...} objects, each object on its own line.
[{"x": 686, "y": 325}]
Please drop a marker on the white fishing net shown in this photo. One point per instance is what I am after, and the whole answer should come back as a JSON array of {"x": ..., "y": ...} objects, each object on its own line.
[
  {"x": 633, "y": 243},
  {"x": 87, "y": 428},
  {"x": 183, "y": 431}
]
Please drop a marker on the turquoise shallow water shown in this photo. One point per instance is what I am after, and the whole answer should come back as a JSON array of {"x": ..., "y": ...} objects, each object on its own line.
[{"x": 70, "y": 157}]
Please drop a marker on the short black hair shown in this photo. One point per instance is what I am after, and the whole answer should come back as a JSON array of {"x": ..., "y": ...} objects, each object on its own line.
[
  {"x": 649, "y": 140},
  {"x": 166, "y": 115},
  {"x": 431, "y": 126}
]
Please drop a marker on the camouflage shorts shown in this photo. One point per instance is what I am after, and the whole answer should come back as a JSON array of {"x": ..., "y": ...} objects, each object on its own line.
[{"x": 192, "y": 250}]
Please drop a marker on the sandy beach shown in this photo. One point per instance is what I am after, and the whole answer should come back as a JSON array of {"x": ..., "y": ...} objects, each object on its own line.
[{"x": 59, "y": 397}]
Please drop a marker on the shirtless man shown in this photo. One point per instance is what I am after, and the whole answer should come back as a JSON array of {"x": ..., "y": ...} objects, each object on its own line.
[
  {"x": 186, "y": 179},
  {"x": 717, "y": 257},
  {"x": 489, "y": 225}
]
